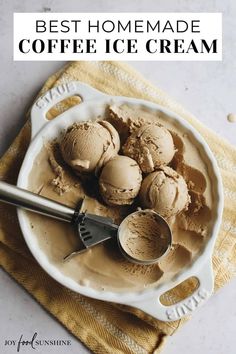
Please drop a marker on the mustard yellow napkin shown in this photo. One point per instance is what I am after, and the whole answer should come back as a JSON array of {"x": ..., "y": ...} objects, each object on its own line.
[{"x": 105, "y": 327}]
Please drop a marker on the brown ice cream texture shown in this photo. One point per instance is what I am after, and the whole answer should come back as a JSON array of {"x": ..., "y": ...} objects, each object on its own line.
[
  {"x": 143, "y": 236},
  {"x": 120, "y": 181},
  {"x": 165, "y": 191},
  {"x": 151, "y": 146},
  {"x": 103, "y": 267},
  {"x": 87, "y": 146}
]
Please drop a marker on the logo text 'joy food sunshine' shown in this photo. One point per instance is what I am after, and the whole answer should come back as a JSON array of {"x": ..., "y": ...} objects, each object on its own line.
[{"x": 34, "y": 342}]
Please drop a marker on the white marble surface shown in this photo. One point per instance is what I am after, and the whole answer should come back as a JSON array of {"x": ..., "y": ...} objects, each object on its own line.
[{"x": 207, "y": 89}]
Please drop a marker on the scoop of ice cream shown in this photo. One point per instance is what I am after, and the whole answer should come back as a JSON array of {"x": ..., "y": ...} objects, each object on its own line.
[
  {"x": 165, "y": 191},
  {"x": 151, "y": 146},
  {"x": 144, "y": 236},
  {"x": 87, "y": 146},
  {"x": 120, "y": 181}
]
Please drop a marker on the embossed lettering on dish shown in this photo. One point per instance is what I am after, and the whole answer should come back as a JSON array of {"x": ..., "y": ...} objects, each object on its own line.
[
  {"x": 55, "y": 93},
  {"x": 186, "y": 307}
]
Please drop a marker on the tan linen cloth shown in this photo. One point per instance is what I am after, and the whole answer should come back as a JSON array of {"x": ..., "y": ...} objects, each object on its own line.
[{"x": 102, "y": 326}]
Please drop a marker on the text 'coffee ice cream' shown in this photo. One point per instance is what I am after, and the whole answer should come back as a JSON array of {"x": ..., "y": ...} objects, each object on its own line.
[
  {"x": 87, "y": 146},
  {"x": 165, "y": 191},
  {"x": 120, "y": 181},
  {"x": 151, "y": 146}
]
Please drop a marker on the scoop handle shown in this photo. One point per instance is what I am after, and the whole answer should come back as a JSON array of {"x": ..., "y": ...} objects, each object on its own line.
[
  {"x": 186, "y": 307},
  {"x": 30, "y": 201},
  {"x": 45, "y": 102}
]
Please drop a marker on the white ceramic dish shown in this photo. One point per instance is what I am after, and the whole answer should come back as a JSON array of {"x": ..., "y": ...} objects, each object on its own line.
[{"x": 93, "y": 104}]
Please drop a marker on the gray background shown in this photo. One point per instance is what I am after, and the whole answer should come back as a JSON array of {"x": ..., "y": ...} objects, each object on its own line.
[{"x": 206, "y": 88}]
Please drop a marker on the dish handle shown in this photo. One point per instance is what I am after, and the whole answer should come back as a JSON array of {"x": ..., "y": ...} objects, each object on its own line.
[
  {"x": 45, "y": 102},
  {"x": 185, "y": 307}
]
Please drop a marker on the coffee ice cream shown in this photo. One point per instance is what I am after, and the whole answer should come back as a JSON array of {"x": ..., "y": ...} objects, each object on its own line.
[
  {"x": 151, "y": 146},
  {"x": 120, "y": 181},
  {"x": 103, "y": 267},
  {"x": 143, "y": 236},
  {"x": 165, "y": 191},
  {"x": 87, "y": 146}
]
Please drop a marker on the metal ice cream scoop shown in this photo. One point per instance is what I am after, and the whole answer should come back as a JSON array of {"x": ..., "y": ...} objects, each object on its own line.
[{"x": 92, "y": 229}]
